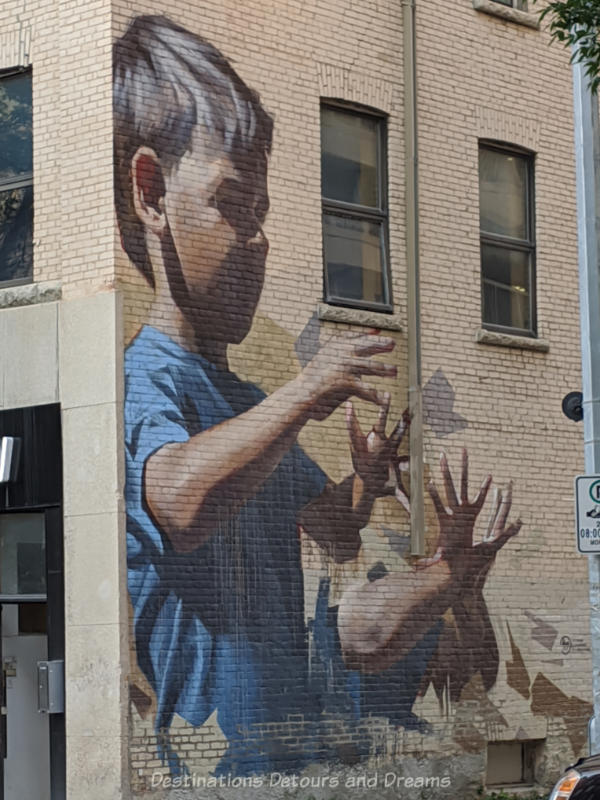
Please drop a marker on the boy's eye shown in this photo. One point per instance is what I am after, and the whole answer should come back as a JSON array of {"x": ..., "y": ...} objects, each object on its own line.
[{"x": 234, "y": 201}]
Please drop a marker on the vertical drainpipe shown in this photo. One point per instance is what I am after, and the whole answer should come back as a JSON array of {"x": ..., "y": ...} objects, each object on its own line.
[{"x": 415, "y": 399}]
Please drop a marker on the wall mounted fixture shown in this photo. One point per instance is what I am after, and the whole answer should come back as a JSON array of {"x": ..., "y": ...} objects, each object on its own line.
[{"x": 10, "y": 448}]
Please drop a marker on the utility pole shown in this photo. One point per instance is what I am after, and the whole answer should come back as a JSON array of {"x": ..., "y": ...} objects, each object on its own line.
[{"x": 587, "y": 156}]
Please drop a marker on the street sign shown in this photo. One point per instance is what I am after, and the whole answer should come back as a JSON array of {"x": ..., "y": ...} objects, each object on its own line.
[{"x": 587, "y": 512}]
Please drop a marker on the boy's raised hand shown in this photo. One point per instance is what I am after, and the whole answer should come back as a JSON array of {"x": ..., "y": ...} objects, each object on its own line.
[{"x": 336, "y": 372}]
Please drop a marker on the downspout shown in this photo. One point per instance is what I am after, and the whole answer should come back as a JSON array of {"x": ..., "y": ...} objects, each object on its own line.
[{"x": 415, "y": 399}]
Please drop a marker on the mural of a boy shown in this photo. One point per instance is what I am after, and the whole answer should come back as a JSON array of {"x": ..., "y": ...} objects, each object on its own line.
[{"x": 216, "y": 484}]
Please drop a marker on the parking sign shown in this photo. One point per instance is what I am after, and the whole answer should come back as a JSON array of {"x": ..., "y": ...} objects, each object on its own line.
[{"x": 587, "y": 513}]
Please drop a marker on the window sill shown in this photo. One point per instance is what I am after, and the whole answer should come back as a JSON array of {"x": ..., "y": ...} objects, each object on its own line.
[
  {"x": 359, "y": 316},
  {"x": 507, "y": 14},
  {"x": 510, "y": 340},
  {"x": 28, "y": 294}
]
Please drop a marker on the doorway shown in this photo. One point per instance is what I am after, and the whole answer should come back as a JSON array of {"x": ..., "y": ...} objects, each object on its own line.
[{"x": 31, "y": 631}]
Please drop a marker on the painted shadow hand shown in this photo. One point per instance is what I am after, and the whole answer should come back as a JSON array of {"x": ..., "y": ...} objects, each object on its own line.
[
  {"x": 375, "y": 456},
  {"x": 469, "y": 563}
]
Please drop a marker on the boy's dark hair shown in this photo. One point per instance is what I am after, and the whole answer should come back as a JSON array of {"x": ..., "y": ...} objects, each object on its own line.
[{"x": 167, "y": 81}]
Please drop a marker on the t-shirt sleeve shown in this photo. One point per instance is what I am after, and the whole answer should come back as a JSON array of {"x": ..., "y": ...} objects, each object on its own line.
[{"x": 153, "y": 418}]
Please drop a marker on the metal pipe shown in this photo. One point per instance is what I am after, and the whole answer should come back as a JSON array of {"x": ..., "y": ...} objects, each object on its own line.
[
  {"x": 587, "y": 160},
  {"x": 415, "y": 399}
]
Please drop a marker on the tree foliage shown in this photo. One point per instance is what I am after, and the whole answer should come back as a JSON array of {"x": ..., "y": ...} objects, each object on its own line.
[{"x": 576, "y": 24}]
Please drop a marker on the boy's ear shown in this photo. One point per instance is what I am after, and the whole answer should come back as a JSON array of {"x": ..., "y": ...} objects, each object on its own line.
[{"x": 148, "y": 190}]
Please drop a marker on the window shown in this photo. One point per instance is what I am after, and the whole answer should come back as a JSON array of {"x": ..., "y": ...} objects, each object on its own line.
[
  {"x": 507, "y": 239},
  {"x": 354, "y": 197},
  {"x": 16, "y": 178},
  {"x": 520, "y": 5},
  {"x": 513, "y": 762}
]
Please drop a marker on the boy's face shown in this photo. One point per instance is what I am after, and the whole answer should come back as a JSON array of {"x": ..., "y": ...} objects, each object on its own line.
[{"x": 215, "y": 212}]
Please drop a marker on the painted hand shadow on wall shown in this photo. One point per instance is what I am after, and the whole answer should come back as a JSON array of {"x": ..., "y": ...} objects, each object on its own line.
[{"x": 216, "y": 486}]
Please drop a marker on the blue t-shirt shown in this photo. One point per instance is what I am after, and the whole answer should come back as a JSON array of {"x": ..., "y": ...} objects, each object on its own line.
[{"x": 221, "y": 627}]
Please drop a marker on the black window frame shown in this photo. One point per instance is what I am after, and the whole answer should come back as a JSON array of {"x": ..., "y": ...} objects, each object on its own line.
[
  {"x": 23, "y": 181},
  {"x": 345, "y": 210},
  {"x": 527, "y": 245}
]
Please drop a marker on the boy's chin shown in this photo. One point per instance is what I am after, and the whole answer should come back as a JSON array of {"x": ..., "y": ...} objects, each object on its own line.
[{"x": 239, "y": 333}]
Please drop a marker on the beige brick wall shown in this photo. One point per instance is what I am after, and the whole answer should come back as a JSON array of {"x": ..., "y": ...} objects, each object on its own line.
[
  {"x": 70, "y": 52},
  {"x": 496, "y": 80}
]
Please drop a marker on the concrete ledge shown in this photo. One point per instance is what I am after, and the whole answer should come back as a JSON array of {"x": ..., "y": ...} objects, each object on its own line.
[
  {"x": 506, "y": 13},
  {"x": 359, "y": 316},
  {"x": 29, "y": 294},
  {"x": 510, "y": 340}
]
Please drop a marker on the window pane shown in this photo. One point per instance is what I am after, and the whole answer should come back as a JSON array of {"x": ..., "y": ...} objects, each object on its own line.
[
  {"x": 22, "y": 554},
  {"x": 16, "y": 156},
  {"x": 349, "y": 145},
  {"x": 506, "y": 290},
  {"x": 354, "y": 258},
  {"x": 16, "y": 233},
  {"x": 503, "y": 193}
]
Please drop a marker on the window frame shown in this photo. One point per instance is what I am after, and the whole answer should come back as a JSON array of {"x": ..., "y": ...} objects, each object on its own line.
[
  {"x": 345, "y": 210},
  {"x": 23, "y": 181},
  {"x": 527, "y": 245},
  {"x": 516, "y": 5}
]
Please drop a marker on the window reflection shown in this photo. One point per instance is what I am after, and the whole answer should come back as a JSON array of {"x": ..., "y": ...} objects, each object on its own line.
[
  {"x": 16, "y": 178},
  {"x": 22, "y": 554},
  {"x": 353, "y": 188},
  {"x": 507, "y": 238}
]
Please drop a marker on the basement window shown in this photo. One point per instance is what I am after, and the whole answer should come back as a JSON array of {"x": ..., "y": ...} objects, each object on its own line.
[{"x": 512, "y": 763}]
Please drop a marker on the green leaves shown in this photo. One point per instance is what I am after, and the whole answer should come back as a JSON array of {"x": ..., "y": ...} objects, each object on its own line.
[{"x": 576, "y": 24}]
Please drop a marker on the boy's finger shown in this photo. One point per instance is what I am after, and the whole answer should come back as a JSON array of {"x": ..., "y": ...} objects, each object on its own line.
[
  {"x": 352, "y": 423},
  {"x": 368, "y": 366},
  {"x": 371, "y": 345},
  {"x": 361, "y": 335},
  {"x": 368, "y": 393}
]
